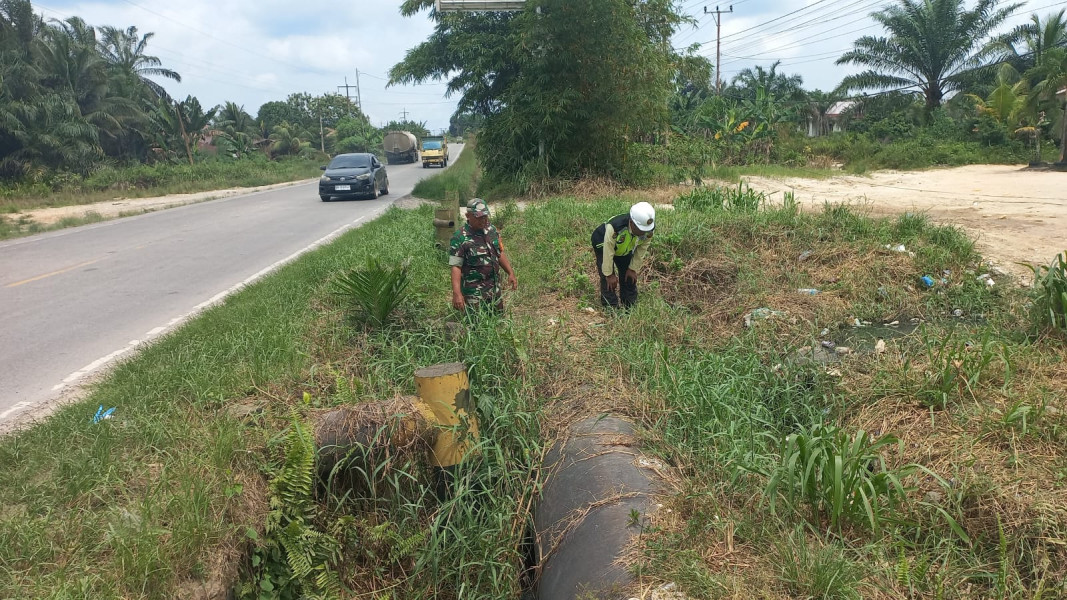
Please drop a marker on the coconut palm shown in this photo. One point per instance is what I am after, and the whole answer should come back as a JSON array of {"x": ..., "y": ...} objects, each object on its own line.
[
  {"x": 1035, "y": 39},
  {"x": 233, "y": 119},
  {"x": 1053, "y": 79},
  {"x": 285, "y": 139},
  {"x": 125, "y": 51},
  {"x": 779, "y": 85},
  {"x": 819, "y": 104},
  {"x": 1008, "y": 101},
  {"x": 937, "y": 46}
]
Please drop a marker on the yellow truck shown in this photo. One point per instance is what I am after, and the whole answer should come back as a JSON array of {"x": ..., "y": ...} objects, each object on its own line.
[{"x": 434, "y": 151}]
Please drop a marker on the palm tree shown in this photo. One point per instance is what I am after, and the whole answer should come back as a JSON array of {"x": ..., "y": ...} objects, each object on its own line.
[
  {"x": 233, "y": 119},
  {"x": 776, "y": 84},
  {"x": 1036, "y": 38},
  {"x": 937, "y": 46},
  {"x": 125, "y": 51},
  {"x": 819, "y": 104},
  {"x": 285, "y": 139},
  {"x": 1053, "y": 74}
]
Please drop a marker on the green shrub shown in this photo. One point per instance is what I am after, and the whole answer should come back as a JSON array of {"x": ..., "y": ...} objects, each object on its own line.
[
  {"x": 841, "y": 478},
  {"x": 741, "y": 199},
  {"x": 1050, "y": 284},
  {"x": 374, "y": 292}
]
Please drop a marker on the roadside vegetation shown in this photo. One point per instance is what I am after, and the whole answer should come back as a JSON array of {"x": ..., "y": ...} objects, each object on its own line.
[
  {"x": 851, "y": 407},
  {"x": 876, "y": 439},
  {"x": 458, "y": 183},
  {"x": 977, "y": 92},
  {"x": 157, "y": 179}
]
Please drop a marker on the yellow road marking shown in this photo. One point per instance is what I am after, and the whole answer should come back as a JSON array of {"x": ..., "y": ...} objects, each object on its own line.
[{"x": 59, "y": 272}]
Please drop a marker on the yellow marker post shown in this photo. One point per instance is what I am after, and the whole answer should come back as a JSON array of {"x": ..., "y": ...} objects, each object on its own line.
[{"x": 445, "y": 388}]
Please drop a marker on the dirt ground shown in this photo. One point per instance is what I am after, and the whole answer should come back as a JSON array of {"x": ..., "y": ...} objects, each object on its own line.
[{"x": 1016, "y": 214}]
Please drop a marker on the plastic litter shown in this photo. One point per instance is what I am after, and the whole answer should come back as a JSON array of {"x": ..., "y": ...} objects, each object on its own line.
[
  {"x": 828, "y": 345},
  {"x": 102, "y": 414},
  {"x": 761, "y": 314},
  {"x": 927, "y": 281},
  {"x": 807, "y": 291},
  {"x": 897, "y": 248},
  {"x": 805, "y": 255},
  {"x": 879, "y": 347},
  {"x": 957, "y": 313}
]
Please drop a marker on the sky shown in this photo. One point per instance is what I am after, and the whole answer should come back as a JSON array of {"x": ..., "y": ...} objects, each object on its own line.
[{"x": 251, "y": 52}]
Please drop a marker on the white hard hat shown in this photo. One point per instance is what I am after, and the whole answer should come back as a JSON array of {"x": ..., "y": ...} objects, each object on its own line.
[{"x": 643, "y": 215}]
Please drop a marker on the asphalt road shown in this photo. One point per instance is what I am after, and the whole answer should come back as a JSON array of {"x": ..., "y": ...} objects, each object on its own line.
[{"x": 73, "y": 300}]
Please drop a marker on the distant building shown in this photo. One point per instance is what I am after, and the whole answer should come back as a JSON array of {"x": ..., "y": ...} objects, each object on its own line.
[{"x": 832, "y": 121}]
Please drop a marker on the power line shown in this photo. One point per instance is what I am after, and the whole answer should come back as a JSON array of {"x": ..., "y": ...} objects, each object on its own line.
[
  {"x": 853, "y": 8},
  {"x": 802, "y": 9}
]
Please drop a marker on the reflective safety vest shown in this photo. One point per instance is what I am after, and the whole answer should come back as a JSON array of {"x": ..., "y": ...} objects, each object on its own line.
[{"x": 625, "y": 242}]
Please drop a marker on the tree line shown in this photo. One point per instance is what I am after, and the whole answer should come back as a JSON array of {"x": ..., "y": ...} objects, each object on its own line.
[
  {"x": 74, "y": 97},
  {"x": 596, "y": 89}
]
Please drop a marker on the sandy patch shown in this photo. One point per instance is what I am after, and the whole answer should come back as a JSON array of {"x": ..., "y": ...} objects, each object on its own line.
[
  {"x": 129, "y": 206},
  {"x": 1016, "y": 214}
]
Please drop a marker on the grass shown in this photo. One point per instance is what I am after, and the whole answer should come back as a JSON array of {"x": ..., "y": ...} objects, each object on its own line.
[
  {"x": 176, "y": 490},
  {"x": 457, "y": 183}
]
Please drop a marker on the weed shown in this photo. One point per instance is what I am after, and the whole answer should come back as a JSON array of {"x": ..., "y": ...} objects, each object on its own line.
[
  {"x": 842, "y": 478},
  {"x": 741, "y": 199},
  {"x": 1050, "y": 281},
  {"x": 295, "y": 558},
  {"x": 956, "y": 366},
  {"x": 822, "y": 573}
]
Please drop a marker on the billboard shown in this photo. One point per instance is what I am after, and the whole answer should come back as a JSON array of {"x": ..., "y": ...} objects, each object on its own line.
[{"x": 479, "y": 5}]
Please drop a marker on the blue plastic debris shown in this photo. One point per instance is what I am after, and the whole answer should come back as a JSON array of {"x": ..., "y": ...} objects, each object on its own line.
[
  {"x": 927, "y": 281},
  {"x": 102, "y": 414}
]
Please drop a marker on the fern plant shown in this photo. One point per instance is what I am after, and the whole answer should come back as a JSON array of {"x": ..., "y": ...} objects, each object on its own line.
[
  {"x": 296, "y": 559},
  {"x": 373, "y": 292}
]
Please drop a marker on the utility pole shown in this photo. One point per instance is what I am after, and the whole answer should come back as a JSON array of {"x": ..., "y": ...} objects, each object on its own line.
[
  {"x": 347, "y": 88},
  {"x": 718, "y": 42},
  {"x": 359, "y": 100},
  {"x": 405, "y": 113}
]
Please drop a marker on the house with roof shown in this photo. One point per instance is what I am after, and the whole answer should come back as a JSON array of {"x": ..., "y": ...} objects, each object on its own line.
[{"x": 831, "y": 121}]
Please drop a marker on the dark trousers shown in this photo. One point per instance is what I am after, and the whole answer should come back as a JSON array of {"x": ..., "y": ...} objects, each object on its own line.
[{"x": 627, "y": 289}]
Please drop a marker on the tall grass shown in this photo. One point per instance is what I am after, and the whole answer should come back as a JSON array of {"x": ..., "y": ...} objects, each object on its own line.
[
  {"x": 459, "y": 182},
  {"x": 1051, "y": 283}
]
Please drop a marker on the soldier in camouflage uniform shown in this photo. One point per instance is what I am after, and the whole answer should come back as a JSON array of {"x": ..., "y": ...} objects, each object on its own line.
[{"x": 477, "y": 256}]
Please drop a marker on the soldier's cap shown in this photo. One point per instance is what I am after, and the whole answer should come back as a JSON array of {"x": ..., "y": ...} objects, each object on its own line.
[{"x": 477, "y": 208}]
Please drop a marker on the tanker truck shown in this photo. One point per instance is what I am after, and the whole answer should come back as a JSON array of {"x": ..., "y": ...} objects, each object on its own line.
[{"x": 400, "y": 147}]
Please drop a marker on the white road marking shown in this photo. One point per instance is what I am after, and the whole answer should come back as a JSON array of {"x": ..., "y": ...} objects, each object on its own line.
[
  {"x": 14, "y": 409},
  {"x": 217, "y": 298}
]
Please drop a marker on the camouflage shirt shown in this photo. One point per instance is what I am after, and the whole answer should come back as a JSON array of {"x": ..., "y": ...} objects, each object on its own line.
[{"x": 477, "y": 254}]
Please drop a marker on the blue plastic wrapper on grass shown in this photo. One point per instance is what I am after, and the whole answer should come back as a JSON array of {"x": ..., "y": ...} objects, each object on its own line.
[
  {"x": 102, "y": 414},
  {"x": 927, "y": 281}
]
